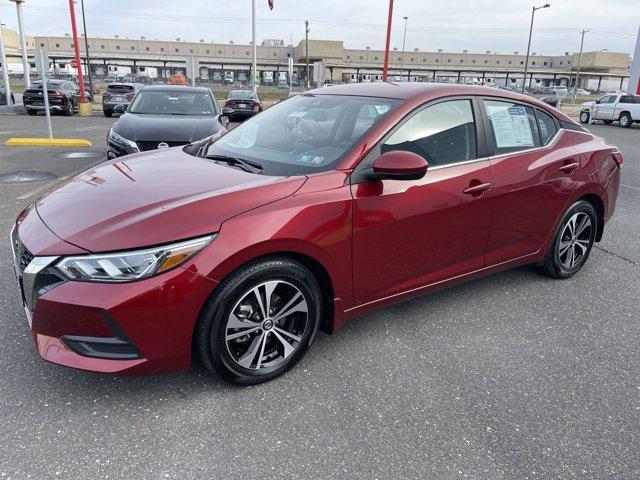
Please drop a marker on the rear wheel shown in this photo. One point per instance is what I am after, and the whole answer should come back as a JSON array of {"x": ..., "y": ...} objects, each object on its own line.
[
  {"x": 573, "y": 241},
  {"x": 584, "y": 117},
  {"x": 31, "y": 111},
  {"x": 108, "y": 113},
  {"x": 69, "y": 108},
  {"x": 625, "y": 120},
  {"x": 260, "y": 322}
]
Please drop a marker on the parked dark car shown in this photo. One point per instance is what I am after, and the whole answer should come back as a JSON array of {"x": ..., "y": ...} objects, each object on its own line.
[
  {"x": 119, "y": 94},
  {"x": 327, "y": 206},
  {"x": 94, "y": 90},
  {"x": 554, "y": 101},
  {"x": 242, "y": 104},
  {"x": 64, "y": 97},
  {"x": 163, "y": 116},
  {"x": 3, "y": 97}
]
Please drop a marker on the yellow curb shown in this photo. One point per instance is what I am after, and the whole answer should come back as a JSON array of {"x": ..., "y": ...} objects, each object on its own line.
[{"x": 47, "y": 142}]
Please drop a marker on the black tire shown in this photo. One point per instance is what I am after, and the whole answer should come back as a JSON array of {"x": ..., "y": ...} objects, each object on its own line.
[
  {"x": 32, "y": 112},
  {"x": 608, "y": 122},
  {"x": 68, "y": 108},
  {"x": 210, "y": 332},
  {"x": 108, "y": 113},
  {"x": 625, "y": 120},
  {"x": 557, "y": 264},
  {"x": 584, "y": 117}
]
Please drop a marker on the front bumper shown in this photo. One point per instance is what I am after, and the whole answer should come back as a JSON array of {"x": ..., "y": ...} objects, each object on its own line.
[
  {"x": 117, "y": 149},
  {"x": 128, "y": 328}
]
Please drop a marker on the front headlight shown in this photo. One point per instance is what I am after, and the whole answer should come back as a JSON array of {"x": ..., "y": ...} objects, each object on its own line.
[
  {"x": 116, "y": 137},
  {"x": 129, "y": 266}
]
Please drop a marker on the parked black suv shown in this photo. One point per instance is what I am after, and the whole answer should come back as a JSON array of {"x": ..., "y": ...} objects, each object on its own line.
[
  {"x": 119, "y": 94},
  {"x": 64, "y": 97}
]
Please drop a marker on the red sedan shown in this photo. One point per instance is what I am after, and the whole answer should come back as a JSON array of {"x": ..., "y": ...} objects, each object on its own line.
[{"x": 326, "y": 206}]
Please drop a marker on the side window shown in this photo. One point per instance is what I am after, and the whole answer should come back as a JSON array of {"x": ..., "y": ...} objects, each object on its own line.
[
  {"x": 513, "y": 126},
  {"x": 442, "y": 134},
  {"x": 546, "y": 126},
  {"x": 607, "y": 99}
]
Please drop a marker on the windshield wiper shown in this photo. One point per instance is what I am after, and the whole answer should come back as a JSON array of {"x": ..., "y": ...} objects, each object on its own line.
[{"x": 246, "y": 165}]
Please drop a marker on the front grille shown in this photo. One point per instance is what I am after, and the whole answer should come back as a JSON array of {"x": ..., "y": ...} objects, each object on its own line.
[
  {"x": 23, "y": 255},
  {"x": 153, "y": 144}
]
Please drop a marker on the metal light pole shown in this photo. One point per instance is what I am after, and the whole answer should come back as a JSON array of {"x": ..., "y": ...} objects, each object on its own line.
[
  {"x": 5, "y": 70},
  {"x": 526, "y": 62},
  {"x": 23, "y": 43},
  {"x": 84, "y": 109},
  {"x": 575, "y": 87},
  {"x": 385, "y": 66},
  {"x": 306, "y": 49},
  {"x": 255, "y": 48},
  {"x": 404, "y": 37},
  {"x": 86, "y": 48}
]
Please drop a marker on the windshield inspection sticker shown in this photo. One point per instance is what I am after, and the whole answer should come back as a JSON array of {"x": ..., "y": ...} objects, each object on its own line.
[
  {"x": 310, "y": 159},
  {"x": 511, "y": 126}
]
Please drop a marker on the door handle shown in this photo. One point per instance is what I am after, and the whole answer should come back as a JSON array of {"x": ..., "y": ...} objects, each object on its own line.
[
  {"x": 569, "y": 167},
  {"x": 477, "y": 189}
]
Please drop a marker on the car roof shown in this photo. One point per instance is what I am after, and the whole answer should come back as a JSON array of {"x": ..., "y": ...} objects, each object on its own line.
[
  {"x": 241, "y": 91},
  {"x": 424, "y": 91},
  {"x": 177, "y": 88}
]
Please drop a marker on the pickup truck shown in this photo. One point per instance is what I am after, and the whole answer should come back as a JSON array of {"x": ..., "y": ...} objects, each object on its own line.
[{"x": 623, "y": 108}]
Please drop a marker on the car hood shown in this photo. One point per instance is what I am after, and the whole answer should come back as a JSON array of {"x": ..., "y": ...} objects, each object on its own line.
[
  {"x": 587, "y": 104},
  {"x": 153, "y": 198},
  {"x": 166, "y": 128}
]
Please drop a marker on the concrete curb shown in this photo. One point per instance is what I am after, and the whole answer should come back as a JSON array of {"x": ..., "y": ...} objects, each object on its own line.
[{"x": 47, "y": 142}]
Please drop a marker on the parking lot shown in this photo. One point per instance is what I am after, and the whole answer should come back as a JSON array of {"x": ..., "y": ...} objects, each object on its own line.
[{"x": 514, "y": 376}]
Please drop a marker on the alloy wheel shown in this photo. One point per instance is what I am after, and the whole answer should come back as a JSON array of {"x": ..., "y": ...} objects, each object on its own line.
[
  {"x": 267, "y": 324},
  {"x": 575, "y": 240}
]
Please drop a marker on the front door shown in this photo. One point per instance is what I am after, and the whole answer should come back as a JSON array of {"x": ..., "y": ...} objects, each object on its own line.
[
  {"x": 604, "y": 109},
  {"x": 411, "y": 233}
]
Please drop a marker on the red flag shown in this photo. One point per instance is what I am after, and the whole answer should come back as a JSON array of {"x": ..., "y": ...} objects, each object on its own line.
[{"x": 270, "y": 2}]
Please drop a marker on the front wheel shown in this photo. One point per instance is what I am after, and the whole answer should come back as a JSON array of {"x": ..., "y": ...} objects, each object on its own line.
[
  {"x": 260, "y": 321},
  {"x": 573, "y": 241},
  {"x": 584, "y": 117}
]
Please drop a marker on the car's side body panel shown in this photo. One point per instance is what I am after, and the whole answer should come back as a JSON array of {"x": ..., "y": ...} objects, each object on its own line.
[{"x": 530, "y": 194}]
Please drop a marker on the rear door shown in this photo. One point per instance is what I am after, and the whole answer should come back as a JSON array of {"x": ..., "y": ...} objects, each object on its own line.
[{"x": 535, "y": 171}]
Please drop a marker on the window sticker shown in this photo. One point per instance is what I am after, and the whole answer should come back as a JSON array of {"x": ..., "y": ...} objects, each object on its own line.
[{"x": 510, "y": 126}]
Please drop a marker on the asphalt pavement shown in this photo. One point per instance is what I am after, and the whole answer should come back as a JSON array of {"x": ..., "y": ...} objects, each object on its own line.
[{"x": 514, "y": 376}]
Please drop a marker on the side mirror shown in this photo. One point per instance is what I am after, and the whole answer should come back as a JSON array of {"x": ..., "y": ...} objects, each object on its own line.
[
  {"x": 399, "y": 165},
  {"x": 226, "y": 111},
  {"x": 120, "y": 108}
]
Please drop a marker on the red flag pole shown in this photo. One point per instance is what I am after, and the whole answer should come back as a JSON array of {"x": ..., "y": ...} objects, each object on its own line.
[
  {"x": 386, "y": 48},
  {"x": 76, "y": 48}
]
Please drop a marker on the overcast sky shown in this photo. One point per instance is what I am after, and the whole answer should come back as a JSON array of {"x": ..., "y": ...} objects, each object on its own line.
[{"x": 454, "y": 25}]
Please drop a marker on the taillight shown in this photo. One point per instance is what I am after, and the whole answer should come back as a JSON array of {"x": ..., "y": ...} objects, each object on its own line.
[
  {"x": 106, "y": 95},
  {"x": 617, "y": 157},
  {"x": 130, "y": 96}
]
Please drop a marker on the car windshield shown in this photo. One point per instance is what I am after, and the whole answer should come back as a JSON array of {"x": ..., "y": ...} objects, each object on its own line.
[
  {"x": 304, "y": 134},
  {"x": 171, "y": 102},
  {"x": 241, "y": 96}
]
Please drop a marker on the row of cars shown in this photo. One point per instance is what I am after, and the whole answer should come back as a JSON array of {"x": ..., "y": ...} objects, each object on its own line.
[{"x": 163, "y": 116}]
